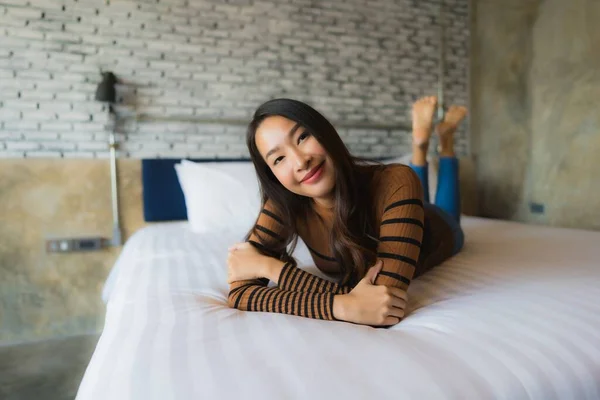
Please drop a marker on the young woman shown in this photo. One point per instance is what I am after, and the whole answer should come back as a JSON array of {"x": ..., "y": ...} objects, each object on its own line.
[{"x": 351, "y": 213}]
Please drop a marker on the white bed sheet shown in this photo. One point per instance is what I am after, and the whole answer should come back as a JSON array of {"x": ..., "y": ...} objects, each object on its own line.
[{"x": 515, "y": 315}]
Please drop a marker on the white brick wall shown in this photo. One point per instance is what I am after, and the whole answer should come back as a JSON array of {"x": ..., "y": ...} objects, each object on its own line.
[{"x": 357, "y": 62}]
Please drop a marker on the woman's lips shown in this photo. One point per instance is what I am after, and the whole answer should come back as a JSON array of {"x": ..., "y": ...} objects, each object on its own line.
[{"x": 316, "y": 174}]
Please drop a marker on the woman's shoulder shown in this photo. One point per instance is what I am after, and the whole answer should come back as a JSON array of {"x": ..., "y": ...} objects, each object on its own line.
[
  {"x": 391, "y": 176},
  {"x": 273, "y": 212},
  {"x": 386, "y": 182}
]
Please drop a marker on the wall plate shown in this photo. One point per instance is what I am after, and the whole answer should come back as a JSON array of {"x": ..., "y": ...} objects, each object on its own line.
[
  {"x": 68, "y": 245},
  {"x": 536, "y": 208}
]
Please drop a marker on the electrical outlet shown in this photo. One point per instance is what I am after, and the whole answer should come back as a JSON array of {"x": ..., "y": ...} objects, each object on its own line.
[
  {"x": 536, "y": 208},
  {"x": 68, "y": 245}
]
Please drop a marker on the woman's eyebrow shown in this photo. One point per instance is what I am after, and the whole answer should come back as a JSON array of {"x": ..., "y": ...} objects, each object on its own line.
[{"x": 290, "y": 133}]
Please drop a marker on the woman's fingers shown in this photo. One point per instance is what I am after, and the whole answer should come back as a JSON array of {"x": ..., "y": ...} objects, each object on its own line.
[
  {"x": 399, "y": 293},
  {"x": 234, "y": 246},
  {"x": 237, "y": 246},
  {"x": 398, "y": 303},
  {"x": 396, "y": 312},
  {"x": 390, "y": 321}
]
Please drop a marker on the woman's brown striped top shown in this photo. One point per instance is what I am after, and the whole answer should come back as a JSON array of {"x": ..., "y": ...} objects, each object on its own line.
[{"x": 411, "y": 240}]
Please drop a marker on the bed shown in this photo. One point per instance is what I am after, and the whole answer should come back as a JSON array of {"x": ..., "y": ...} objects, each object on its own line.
[{"x": 515, "y": 315}]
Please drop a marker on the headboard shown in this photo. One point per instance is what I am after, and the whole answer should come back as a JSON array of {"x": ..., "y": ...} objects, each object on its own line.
[
  {"x": 161, "y": 192},
  {"x": 162, "y": 195}
]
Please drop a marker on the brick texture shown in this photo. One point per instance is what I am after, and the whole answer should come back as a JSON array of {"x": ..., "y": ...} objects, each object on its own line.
[{"x": 207, "y": 64}]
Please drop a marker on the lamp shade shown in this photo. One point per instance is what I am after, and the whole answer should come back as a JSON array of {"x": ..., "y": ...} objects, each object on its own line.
[{"x": 106, "y": 89}]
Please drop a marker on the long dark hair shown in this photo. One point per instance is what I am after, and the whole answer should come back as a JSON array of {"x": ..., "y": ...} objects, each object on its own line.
[{"x": 353, "y": 219}]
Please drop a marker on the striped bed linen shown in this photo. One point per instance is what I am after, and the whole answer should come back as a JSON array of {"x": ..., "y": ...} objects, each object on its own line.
[{"x": 515, "y": 315}]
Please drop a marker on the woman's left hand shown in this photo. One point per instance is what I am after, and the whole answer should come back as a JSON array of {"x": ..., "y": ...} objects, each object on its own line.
[{"x": 245, "y": 262}]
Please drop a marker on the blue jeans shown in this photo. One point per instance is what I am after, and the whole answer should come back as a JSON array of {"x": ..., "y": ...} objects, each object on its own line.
[{"x": 447, "y": 196}]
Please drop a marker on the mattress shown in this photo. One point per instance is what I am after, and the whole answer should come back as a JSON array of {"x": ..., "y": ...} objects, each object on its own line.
[{"x": 515, "y": 315}]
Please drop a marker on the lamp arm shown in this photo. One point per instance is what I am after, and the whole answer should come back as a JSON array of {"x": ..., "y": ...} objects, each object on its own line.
[{"x": 117, "y": 239}]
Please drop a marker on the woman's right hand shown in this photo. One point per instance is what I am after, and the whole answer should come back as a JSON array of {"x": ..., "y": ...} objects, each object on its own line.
[{"x": 370, "y": 304}]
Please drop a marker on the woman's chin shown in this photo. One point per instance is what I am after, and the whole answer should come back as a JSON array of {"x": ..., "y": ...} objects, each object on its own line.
[{"x": 320, "y": 191}]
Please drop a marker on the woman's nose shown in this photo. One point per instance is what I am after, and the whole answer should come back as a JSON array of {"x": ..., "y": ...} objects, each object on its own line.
[
  {"x": 302, "y": 160},
  {"x": 304, "y": 163}
]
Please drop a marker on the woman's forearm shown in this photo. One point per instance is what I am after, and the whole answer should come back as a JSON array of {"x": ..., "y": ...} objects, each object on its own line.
[
  {"x": 296, "y": 279},
  {"x": 283, "y": 274},
  {"x": 256, "y": 296}
]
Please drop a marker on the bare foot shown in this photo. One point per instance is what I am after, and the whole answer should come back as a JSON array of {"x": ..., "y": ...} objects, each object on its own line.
[
  {"x": 422, "y": 117},
  {"x": 452, "y": 119},
  {"x": 447, "y": 127}
]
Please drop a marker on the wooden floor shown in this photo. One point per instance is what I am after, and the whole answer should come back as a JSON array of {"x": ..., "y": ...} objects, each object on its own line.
[{"x": 48, "y": 370}]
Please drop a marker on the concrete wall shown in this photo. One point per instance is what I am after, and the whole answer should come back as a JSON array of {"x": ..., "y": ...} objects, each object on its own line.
[
  {"x": 355, "y": 61},
  {"x": 47, "y": 294},
  {"x": 535, "y": 121}
]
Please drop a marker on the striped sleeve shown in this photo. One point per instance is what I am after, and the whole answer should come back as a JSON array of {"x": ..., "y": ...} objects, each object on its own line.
[
  {"x": 298, "y": 280},
  {"x": 401, "y": 230},
  {"x": 248, "y": 296},
  {"x": 254, "y": 295}
]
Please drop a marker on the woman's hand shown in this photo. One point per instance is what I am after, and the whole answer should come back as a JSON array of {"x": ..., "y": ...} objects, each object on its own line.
[
  {"x": 245, "y": 262},
  {"x": 370, "y": 304}
]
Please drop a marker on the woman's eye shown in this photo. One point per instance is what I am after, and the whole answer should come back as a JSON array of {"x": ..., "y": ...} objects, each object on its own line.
[
  {"x": 277, "y": 159},
  {"x": 304, "y": 135}
]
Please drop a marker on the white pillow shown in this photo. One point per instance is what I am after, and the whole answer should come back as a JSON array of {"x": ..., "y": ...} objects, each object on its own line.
[
  {"x": 219, "y": 196},
  {"x": 432, "y": 171}
]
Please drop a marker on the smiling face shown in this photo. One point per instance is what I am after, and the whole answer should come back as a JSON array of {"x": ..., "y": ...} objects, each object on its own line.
[{"x": 293, "y": 154}]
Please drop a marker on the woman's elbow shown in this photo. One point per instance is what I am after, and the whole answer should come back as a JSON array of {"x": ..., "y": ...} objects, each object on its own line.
[{"x": 232, "y": 302}]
